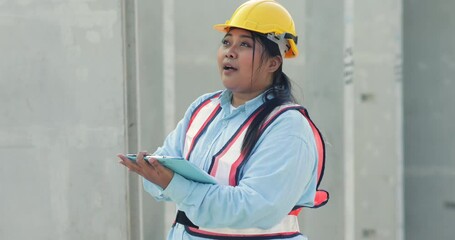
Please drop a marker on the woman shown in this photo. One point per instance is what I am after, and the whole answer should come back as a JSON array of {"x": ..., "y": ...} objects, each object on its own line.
[{"x": 262, "y": 148}]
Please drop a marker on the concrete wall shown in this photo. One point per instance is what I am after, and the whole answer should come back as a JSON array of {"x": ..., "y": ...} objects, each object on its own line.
[
  {"x": 429, "y": 84},
  {"x": 320, "y": 77},
  {"x": 353, "y": 80},
  {"x": 62, "y": 120},
  {"x": 83, "y": 80},
  {"x": 376, "y": 98},
  {"x": 144, "y": 89}
]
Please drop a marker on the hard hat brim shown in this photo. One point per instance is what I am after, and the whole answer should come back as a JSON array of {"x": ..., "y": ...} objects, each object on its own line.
[
  {"x": 225, "y": 28},
  {"x": 221, "y": 27}
]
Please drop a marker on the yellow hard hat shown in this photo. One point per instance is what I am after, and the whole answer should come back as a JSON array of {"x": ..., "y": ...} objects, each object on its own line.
[{"x": 267, "y": 17}]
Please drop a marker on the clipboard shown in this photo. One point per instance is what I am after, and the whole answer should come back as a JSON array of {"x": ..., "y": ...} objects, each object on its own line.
[{"x": 181, "y": 166}]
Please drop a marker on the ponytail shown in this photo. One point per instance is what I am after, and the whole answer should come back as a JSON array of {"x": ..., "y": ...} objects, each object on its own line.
[{"x": 278, "y": 94}]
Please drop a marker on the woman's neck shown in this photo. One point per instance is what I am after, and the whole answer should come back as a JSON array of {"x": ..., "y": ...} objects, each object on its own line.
[{"x": 241, "y": 98}]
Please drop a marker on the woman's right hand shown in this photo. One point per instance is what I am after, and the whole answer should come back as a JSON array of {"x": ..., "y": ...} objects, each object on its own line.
[{"x": 152, "y": 170}]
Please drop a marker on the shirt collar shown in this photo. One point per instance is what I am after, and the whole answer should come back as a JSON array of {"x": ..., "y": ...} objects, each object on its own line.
[{"x": 249, "y": 107}]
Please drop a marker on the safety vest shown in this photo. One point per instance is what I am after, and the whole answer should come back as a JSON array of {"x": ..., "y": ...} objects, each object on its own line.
[{"x": 226, "y": 165}]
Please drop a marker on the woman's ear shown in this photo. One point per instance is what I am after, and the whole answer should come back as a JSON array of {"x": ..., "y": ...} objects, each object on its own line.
[{"x": 274, "y": 63}]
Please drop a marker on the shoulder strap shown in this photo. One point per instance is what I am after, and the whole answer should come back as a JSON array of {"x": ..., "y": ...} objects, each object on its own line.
[{"x": 322, "y": 196}]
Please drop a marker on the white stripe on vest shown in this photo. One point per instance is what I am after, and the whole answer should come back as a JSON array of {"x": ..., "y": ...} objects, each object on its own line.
[
  {"x": 288, "y": 226},
  {"x": 200, "y": 119}
]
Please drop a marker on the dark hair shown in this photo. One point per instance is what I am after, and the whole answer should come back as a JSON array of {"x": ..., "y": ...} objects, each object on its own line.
[{"x": 279, "y": 93}]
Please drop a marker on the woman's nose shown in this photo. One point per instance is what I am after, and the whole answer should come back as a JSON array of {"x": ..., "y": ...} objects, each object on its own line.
[{"x": 231, "y": 53}]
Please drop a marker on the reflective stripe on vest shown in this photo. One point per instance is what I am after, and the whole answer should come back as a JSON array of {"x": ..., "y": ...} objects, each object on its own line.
[
  {"x": 288, "y": 227},
  {"x": 226, "y": 162},
  {"x": 200, "y": 119}
]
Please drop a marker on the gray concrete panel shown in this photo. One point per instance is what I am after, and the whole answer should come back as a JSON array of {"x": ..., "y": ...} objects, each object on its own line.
[
  {"x": 196, "y": 45},
  {"x": 429, "y": 70},
  {"x": 62, "y": 121},
  {"x": 321, "y": 78},
  {"x": 377, "y": 122},
  {"x": 144, "y": 63}
]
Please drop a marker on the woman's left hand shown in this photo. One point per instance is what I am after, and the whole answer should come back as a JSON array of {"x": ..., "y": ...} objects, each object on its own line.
[{"x": 151, "y": 170}]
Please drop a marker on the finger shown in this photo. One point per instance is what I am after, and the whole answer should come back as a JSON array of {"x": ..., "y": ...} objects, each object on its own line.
[
  {"x": 131, "y": 169},
  {"x": 128, "y": 163},
  {"x": 142, "y": 154},
  {"x": 153, "y": 162},
  {"x": 121, "y": 162},
  {"x": 123, "y": 157},
  {"x": 141, "y": 159}
]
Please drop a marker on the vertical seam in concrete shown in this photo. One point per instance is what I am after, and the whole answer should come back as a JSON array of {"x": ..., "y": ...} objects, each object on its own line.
[
  {"x": 169, "y": 65},
  {"x": 349, "y": 105},
  {"x": 400, "y": 137},
  {"x": 168, "y": 85},
  {"x": 125, "y": 112},
  {"x": 138, "y": 118},
  {"x": 349, "y": 170},
  {"x": 400, "y": 170}
]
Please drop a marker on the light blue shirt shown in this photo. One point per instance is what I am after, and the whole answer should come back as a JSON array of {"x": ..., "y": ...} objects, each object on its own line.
[{"x": 280, "y": 173}]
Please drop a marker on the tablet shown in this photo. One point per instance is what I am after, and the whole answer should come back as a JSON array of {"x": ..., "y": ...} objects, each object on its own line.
[{"x": 181, "y": 166}]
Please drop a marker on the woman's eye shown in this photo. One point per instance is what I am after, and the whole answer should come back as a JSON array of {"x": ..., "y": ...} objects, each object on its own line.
[
  {"x": 225, "y": 42},
  {"x": 245, "y": 44}
]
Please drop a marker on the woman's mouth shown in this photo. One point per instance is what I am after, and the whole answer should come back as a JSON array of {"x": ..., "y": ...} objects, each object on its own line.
[{"x": 229, "y": 68}]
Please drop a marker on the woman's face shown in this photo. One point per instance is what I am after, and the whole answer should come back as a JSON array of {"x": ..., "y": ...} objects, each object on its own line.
[{"x": 235, "y": 62}]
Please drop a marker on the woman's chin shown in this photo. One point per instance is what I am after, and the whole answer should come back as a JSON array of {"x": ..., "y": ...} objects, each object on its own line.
[{"x": 228, "y": 84}]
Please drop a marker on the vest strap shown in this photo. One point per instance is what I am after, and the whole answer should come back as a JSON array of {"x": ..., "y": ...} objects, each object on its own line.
[
  {"x": 289, "y": 226},
  {"x": 184, "y": 220}
]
